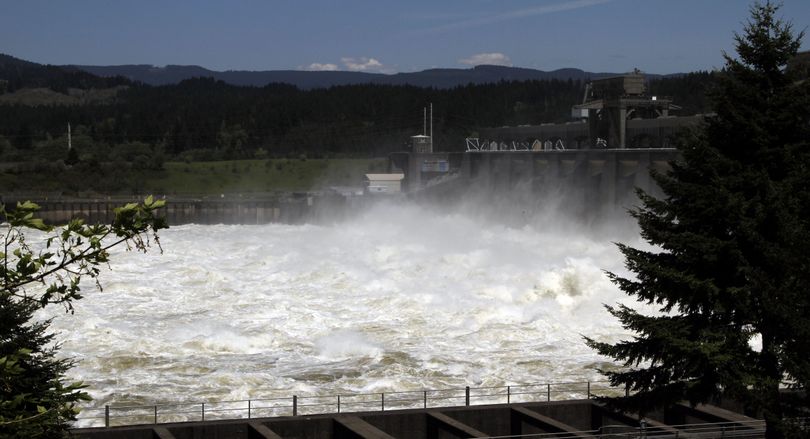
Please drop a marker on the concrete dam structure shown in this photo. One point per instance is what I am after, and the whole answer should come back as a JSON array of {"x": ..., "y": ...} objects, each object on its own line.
[
  {"x": 588, "y": 180},
  {"x": 638, "y": 133},
  {"x": 584, "y": 418},
  {"x": 615, "y": 113},
  {"x": 288, "y": 210},
  {"x": 619, "y": 134}
]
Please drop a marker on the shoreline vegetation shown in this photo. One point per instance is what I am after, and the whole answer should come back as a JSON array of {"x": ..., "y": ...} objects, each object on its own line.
[{"x": 248, "y": 178}]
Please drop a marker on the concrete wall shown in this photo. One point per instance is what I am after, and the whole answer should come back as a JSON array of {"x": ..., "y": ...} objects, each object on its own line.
[
  {"x": 213, "y": 211},
  {"x": 385, "y": 186},
  {"x": 437, "y": 423},
  {"x": 607, "y": 175},
  {"x": 412, "y": 422},
  {"x": 494, "y": 421},
  {"x": 582, "y": 182},
  {"x": 562, "y": 417}
]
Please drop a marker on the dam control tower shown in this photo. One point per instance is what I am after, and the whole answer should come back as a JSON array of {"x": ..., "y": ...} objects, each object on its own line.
[{"x": 610, "y": 102}]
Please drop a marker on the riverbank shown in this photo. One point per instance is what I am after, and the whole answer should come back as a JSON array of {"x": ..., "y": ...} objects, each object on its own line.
[{"x": 248, "y": 178}]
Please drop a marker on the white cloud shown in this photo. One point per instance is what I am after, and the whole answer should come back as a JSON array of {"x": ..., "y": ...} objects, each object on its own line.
[
  {"x": 318, "y": 67},
  {"x": 494, "y": 58},
  {"x": 362, "y": 64}
]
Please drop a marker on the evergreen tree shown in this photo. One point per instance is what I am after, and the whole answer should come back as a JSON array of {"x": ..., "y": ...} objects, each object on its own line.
[
  {"x": 35, "y": 402},
  {"x": 732, "y": 234},
  {"x": 72, "y": 157}
]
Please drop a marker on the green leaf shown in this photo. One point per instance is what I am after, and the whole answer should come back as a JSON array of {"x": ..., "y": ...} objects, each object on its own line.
[
  {"x": 37, "y": 223},
  {"x": 27, "y": 206}
]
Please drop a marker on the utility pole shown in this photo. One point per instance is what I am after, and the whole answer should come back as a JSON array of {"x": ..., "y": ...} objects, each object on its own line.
[
  {"x": 431, "y": 127},
  {"x": 69, "y": 144},
  {"x": 424, "y": 121}
]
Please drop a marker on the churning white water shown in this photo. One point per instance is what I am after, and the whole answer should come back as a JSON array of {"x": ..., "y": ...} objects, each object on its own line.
[{"x": 397, "y": 298}]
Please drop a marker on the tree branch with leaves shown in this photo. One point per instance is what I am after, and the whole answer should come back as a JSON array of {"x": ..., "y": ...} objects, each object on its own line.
[{"x": 41, "y": 266}]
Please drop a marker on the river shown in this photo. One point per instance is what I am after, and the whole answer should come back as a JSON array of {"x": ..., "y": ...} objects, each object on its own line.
[{"x": 398, "y": 297}]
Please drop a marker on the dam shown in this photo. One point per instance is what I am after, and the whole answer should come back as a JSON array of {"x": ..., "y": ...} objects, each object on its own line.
[
  {"x": 583, "y": 419},
  {"x": 589, "y": 180},
  {"x": 397, "y": 297},
  {"x": 595, "y": 162},
  {"x": 292, "y": 208}
]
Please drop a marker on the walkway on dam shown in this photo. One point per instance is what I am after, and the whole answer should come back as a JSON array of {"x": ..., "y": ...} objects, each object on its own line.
[
  {"x": 449, "y": 413},
  {"x": 540, "y": 420}
]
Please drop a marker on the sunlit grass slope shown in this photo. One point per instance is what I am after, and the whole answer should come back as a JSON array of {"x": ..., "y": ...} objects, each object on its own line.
[{"x": 192, "y": 178}]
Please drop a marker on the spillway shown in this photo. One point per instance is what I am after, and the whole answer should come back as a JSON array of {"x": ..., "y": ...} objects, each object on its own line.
[{"x": 397, "y": 297}]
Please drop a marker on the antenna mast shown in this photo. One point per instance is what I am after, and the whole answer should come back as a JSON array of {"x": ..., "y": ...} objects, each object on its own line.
[{"x": 431, "y": 126}]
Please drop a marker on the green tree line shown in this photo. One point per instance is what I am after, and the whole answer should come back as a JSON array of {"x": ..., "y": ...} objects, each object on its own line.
[{"x": 204, "y": 119}]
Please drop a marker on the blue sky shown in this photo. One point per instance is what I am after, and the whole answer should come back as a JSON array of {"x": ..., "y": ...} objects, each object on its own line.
[{"x": 656, "y": 36}]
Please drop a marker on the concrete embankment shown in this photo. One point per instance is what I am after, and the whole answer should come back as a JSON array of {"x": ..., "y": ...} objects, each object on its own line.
[{"x": 288, "y": 209}]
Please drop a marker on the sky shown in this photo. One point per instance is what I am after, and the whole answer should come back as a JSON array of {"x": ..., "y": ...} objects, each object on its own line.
[{"x": 387, "y": 36}]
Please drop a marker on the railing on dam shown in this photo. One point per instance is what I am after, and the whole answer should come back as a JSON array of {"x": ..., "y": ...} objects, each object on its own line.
[{"x": 113, "y": 415}]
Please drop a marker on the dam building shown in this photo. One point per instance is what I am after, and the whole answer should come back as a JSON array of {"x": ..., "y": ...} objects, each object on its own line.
[
  {"x": 620, "y": 135},
  {"x": 615, "y": 113},
  {"x": 382, "y": 183}
]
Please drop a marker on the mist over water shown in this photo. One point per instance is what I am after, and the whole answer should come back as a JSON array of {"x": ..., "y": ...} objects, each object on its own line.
[{"x": 399, "y": 297}]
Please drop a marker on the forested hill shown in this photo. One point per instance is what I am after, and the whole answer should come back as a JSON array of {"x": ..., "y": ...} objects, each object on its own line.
[
  {"x": 16, "y": 74},
  {"x": 208, "y": 119},
  {"x": 20, "y": 73},
  {"x": 438, "y": 78}
]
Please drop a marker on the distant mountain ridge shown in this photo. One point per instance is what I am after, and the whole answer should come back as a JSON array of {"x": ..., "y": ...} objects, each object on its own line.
[
  {"x": 16, "y": 73},
  {"x": 20, "y": 73},
  {"x": 303, "y": 79}
]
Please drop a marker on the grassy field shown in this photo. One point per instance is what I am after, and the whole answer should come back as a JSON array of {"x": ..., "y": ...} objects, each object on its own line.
[
  {"x": 261, "y": 175},
  {"x": 194, "y": 178}
]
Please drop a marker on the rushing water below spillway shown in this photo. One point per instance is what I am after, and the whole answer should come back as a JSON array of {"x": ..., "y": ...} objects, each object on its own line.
[{"x": 398, "y": 298}]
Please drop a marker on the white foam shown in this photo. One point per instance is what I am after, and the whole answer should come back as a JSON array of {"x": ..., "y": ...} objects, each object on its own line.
[
  {"x": 346, "y": 344},
  {"x": 399, "y": 297}
]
